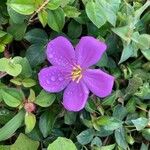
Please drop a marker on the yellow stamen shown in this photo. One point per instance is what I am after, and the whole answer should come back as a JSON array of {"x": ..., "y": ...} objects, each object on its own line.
[
  {"x": 76, "y": 73},
  {"x": 79, "y": 78}
]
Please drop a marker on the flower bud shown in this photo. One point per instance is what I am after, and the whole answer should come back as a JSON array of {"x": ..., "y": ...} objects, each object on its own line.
[{"x": 29, "y": 107}]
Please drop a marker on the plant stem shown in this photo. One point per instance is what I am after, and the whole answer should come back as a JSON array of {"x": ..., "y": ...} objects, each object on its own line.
[
  {"x": 2, "y": 74},
  {"x": 38, "y": 10}
]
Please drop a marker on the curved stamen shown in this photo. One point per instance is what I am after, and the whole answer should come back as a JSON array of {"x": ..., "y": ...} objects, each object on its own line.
[{"x": 76, "y": 73}]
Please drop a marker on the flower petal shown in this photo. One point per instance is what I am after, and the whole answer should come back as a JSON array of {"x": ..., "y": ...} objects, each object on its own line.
[
  {"x": 99, "y": 82},
  {"x": 75, "y": 96},
  {"x": 60, "y": 51},
  {"x": 89, "y": 50},
  {"x": 53, "y": 79}
]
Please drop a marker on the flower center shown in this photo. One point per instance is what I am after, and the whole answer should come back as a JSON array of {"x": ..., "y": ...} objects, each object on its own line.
[{"x": 76, "y": 73}]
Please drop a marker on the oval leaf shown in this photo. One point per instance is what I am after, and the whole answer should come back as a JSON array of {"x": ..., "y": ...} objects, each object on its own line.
[
  {"x": 56, "y": 19},
  {"x": 45, "y": 99},
  {"x": 30, "y": 121},
  {"x": 25, "y": 7},
  {"x": 10, "y": 127},
  {"x": 12, "y": 97},
  {"x": 62, "y": 143}
]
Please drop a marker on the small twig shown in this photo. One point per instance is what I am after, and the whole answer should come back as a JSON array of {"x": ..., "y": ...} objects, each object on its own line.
[
  {"x": 2, "y": 74},
  {"x": 142, "y": 108},
  {"x": 7, "y": 53},
  {"x": 106, "y": 140},
  {"x": 38, "y": 10}
]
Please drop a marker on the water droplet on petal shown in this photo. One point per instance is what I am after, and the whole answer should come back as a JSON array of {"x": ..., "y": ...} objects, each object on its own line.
[
  {"x": 53, "y": 78},
  {"x": 60, "y": 78},
  {"x": 60, "y": 60},
  {"x": 50, "y": 56},
  {"x": 47, "y": 81},
  {"x": 69, "y": 93}
]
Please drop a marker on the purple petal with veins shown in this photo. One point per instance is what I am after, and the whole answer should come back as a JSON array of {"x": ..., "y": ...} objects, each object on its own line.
[
  {"x": 53, "y": 79},
  {"x": 88, "y": 51},
  {"x": 98, "y": 82},
  {"x": 60, "y": 52},
  {"x": 75, "y": 96}
]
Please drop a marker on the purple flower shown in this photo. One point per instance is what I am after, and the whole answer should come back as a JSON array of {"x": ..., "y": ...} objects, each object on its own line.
[{"x": 70, "y": 71}]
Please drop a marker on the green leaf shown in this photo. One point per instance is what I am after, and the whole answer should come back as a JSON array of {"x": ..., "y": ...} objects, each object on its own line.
[
  {"x": 31, "y": 97},
  {"x": 45, "y": 99},
  {"x": 64, "y": 142},
  {"x": 17, "y": 30},
  {"x": 5, "y": 115},
  {"x": 102, "y": 120},
  {"x": 127, "y": 52},
  {"x": 2, "y": 33},
  {"x": 70, "y": 117},
  {"x": 119, "y": 112},
  {"x": 5, "y": 38},
  {"x": 144, "y": 41},
  {"x": 125, "y": 33},
  {"x": 140, "y": 123},
  {"x": 43, "y": 15},
  {"x": 16, "y": 17},
  {"x": 54, "y": 4},
  {"x": 74, "y": 29},
  {"x": 2, "y": 47},
  {"x": 95, "y": 13},
  {"x": 36, "y": 54},
  {"x": 108, "y": 147},
  {"x": 10, "y": 68},
  {"x": 66, "y": 2},
  {"x": 56, "y": 19},
  {"x": 30, "y": 121},
  {"x": 85, "y": 136},
  {"x": 130, "y": 139},
  {"x": 110, "y": 14},
  {"x": 144, "y": 91},
  {"x": 36, "y": 36},
  {"x": 134, "y": 84},
  {"x": 146, "y": 54},
  {"x": 26, "y": 68},
  {"x": 13, "y": 69},
  {"x": 12, "y": 97},
  {"x": 144, "y": 146},
  {"x": 103, "y": 61},
  {"x": 46, "y": 122},
  {"x": 146, "y": 66},
  {"x": 28, "y": 82},
  {"x": 96, "y": 142},
  {"x": 139, "y": 12},
  {"x": 71, "y": 12},
  {"x": 3, "y": 62},
  {"x": 25, "y": 7},
  {"x": 10, "y": 127},
  {"x": 109, "y": 123},
  {"x": 91, "y": 106},
  {"x": 4, "y": 147},
  {"x": 102, "y": 132},
  {"x": 24, "y": 143},
  {"x": 115, "y": 4},
  {"x": 131, "y": 105},
  {"x": 110, "y": 100},
  {"x": 146, "y": 134},
  {"x": 120, "y": 138}
]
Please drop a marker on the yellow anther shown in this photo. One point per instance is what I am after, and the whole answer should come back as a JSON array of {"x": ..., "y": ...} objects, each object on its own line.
[
  {"x": 79, "y": 78},
  {"x": 76, "y": 73}
]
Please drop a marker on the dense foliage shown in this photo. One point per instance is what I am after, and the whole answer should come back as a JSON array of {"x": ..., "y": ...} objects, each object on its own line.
[{"x": 31, "y": 118}]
